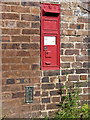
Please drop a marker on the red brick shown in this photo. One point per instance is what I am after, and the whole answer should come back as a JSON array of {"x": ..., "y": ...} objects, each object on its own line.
[
  {"x": 35, "y": 25},
  {"x": 35, "y": 67},
  {"x": 83, "y": 20},
  {"x": 73, "y": 77},
  {"x": 5, "y": 8},
  {"x": 68, "y": 32},
  {"x": 35, "y": 80},
  {"x": 82, "y": 58},
  {"x": 31, "y": 60},
  {"x": 23, "y": 53},
  {"x": 17, "y": 94},
  {"x": 72, "y": 52},
  {"x": 67, "y": 58},
  {"x": 84, "y": 52},
  {"x": 45, "y": 93},
  {"x": 30, "y": 4},
  {"x": 5, "y": 38},
  {"x": 84, "y": 97},
  {"x": 12, "y": 3},
  {"x": 10, "y": 46},
  {"x": 45, "y": 100},
  {"x": 83, "y": 77},
  {"x": 51, "y": 106},
  {"x": 35, "y": 10},
  {"x": 23, "y": 24},
  {"x": 13, "y": 16},
  {"x": 11, "y": 60},
  {"x": 20, "y": 39},
  {"x": 9, "y": 53},
  {"x": 30, "y": 31},
  {"x": 56, "y": 99},
  {"x": 19, "y": 67},
  {"x": 11, "y": 31},
  {"x": 77, "y": 26},
  {"x": 77, "y": 64},
  {"x": 35, "y": 38},
  {"x": 20, "y": 9},
  {"x": 81, "y": 45},
  {"x": 29, "y": 17},
  {"x": 86, "y": 90},
  {"x": 5, "y": 67},
  {"x": 67, "y": 45},
  {"x": 65, "y": 65},
  {"x": 32, "y": 46}
]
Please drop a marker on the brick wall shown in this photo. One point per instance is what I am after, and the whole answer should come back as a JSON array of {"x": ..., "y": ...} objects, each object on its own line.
[{"x": 21, "y": 59}]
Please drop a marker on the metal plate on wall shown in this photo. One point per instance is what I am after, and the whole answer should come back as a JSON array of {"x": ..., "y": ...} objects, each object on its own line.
[{"x": 29, "y": 94}]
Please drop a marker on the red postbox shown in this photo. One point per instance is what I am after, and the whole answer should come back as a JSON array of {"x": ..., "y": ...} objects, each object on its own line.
[{"x": 50, "y": 36}]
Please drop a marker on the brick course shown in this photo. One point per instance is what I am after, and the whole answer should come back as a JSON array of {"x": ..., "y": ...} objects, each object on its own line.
[{"x": 21, "y": 59}]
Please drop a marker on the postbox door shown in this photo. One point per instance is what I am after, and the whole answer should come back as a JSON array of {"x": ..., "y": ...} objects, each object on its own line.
[{"x": 50, "y": 51}]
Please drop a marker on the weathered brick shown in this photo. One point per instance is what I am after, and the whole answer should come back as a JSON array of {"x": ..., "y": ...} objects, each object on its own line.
[
  {"x": 18, "y": 95},
  {"x": 67, "y": 58},
  {"x": 10, "y": 46},
  {"x": 45, "y": 93},
  {"x": 61, "y": 52},
  {"x": 30, "y": 31},
  {"x": 5, "y": 8},
  {"x": 20, "y": 9},
  {"x": 35, "y": 25},
  {"x": 72, "y": 52},
  {"x": 83, "y": 77},
  {"x": 75, "y": 39},
  {"x": 48, "y": 86},
  {"x": 77, "y": 64},
  {"x": 30, "y": 46},
  {"x": 51, "y": 114},
  {"x": 10, "y": 81},
  {"x": 13, "y": 16},
  {"x": 59, "y": 85},
  {"x": 23, "y": 53},
  {"x": 51, "y": 106},
  {"x": 52, "y": 73},
  {"x": 62, "y": 78},
  {"x": 55, "y": 92},
  {"x": 45, "y": 79},
  {"x": 84, "y": 97},
  {"x": 81, "y": 45},
  {"x": 82, "y": 33},
  {"x": 66, "y": 12},
  {"x": 35, "y": 10},
  {"x": 30, "y": 3},
  {"x": 23, "y": 24},
  {"x": 45, "y": 100},
  {"x": 9, "y": 53},
  {"x": 76, "y": 26},
  {"x": 67, "y": 45},
  {"x": 65, "y": 65},
  {"x": 68, "y": 32},
  {"x": 10, "y": 31},
  {"x": 5, "y": 38},
  {"x": 35, "y": 67},
  {"x": 81, "y": 71},
  {"x": 83, "y": 20},
  {"x": 86, "y": 90},
  {"x": 84, "y": 52},
  {"x": 10, "y": 24},
  {"x": 12, "y": 3},
  {"x": 86, "y": 64},
  {"x": 6, "y": 96},
  {"x": 35, "y": 38},
  {"x": 86, "y": 39},
  {"x": 64, "y": 25},
  {"x": 20, "y": 39},
  {"x": 73, "y": 77},
  {"x": 56, "y": 99},
  {"x": 29, "y": 17},
  {"x": 37, "y": 93},
  {"x": 82, "y": 58},
  {"x": 64, "y": 72}
]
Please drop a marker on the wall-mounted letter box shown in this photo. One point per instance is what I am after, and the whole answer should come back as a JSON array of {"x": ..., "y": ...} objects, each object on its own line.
[{"x": 50, "y": 36}]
